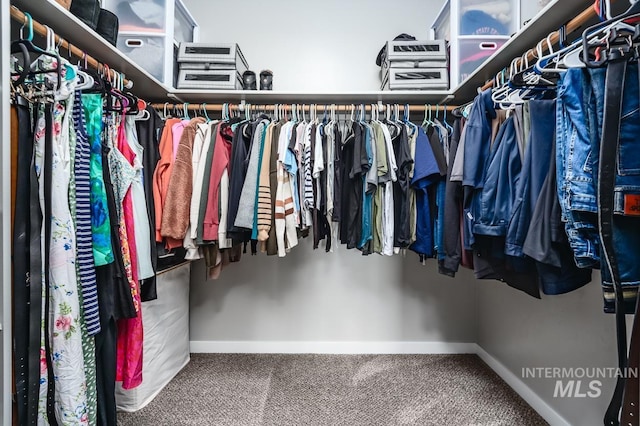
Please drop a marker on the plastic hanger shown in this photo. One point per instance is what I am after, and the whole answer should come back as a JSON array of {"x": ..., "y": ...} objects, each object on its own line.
[
  {"x": 85, "y": 81},
  {"x": 164, "y": 111},
  {"x": 130, "y": 102},
  {"x": 25, "y": 45},
  {"x": 205, "y": 113},
  {"x": 603, "y": 30},
  {"x": 427, "y": 118},
  {"x": 448, "y": 126}
]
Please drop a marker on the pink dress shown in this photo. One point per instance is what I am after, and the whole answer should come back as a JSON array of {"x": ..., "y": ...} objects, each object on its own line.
[{"x": 130, "y": 334}]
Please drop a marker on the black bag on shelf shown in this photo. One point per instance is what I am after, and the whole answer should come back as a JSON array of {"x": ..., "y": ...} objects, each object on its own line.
[
  {"x": 108, "y": 26},
  {"x": 88, "y": 11}
]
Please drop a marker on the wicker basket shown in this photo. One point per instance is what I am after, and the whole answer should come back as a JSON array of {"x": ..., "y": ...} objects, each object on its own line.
[{"x": 64, "y": 3}]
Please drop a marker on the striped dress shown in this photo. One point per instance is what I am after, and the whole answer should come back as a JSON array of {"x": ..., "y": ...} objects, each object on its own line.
[{"x": 84, "y": 240}]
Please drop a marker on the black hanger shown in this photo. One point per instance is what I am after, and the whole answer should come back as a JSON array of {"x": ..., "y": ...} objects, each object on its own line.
[
  {"x": 26, "y": 45},
  {"x": 17, "y": 47},
  {"x": 133, "y": 103},
  {"x": 590, "y": 59}
]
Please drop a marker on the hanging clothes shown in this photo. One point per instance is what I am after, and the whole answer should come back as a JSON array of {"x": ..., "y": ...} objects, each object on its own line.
[
  {"x": 130, "y": 333},
  {"x": 67, "y": 363}
]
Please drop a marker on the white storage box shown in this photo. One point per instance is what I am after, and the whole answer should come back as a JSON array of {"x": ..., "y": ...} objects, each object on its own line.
[
  {"x": 166, "y": 339},
  {"x": 213, "y": 53},
  {"x": 209, "y": 79},
  {"x": 416, "y": 79},
  {"x": 413, "y": 64},
  {"x": 416, "y": 50}
]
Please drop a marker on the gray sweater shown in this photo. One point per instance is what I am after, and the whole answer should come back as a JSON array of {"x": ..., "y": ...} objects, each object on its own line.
[{"x": 246, "y": 207}]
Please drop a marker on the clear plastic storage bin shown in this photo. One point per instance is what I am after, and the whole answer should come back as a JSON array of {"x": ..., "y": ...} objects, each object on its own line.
[
  {"x": 150, "y": 31},
  {"x": 475, "y": 29},
  {"x": 139, "y": 16},
  {"x": 488, "y": 17},
  {"x": 146, "y": 51},
  {"x": 473, "y": 52},
  {"x": 185, "y": 28}
]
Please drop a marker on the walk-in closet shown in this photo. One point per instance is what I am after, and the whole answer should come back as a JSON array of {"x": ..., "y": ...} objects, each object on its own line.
[{"x": 338, "y": 212}]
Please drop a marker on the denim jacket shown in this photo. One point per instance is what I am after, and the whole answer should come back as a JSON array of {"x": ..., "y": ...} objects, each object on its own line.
[
  {"x": 499, "y": 190},
  {"x": 476, "y": 150}
]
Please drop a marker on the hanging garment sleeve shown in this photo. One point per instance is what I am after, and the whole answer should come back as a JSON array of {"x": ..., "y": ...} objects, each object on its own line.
[{"x": 614, "y": 86}]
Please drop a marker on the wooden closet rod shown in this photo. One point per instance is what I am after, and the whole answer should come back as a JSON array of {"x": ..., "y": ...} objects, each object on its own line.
[
  {"x": 39, "y": 28},
  {"x": 571, "y": 26},
  {"x": 288, "y": 107}
]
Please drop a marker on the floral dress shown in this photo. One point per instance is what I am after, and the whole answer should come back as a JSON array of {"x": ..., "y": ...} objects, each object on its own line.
[{"x": 64, "y": 317}]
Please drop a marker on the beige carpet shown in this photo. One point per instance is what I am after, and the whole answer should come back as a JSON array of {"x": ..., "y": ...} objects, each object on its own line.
[{"x": 385, "y": 390}]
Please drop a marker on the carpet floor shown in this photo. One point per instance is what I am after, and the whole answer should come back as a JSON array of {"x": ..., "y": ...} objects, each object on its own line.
[{"x": 322, "y": 390}]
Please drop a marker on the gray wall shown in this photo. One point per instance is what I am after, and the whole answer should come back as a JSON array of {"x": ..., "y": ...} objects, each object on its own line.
[
  {"x": 332, "y": 297},
  {"x": 327, "y": 46},
  {"x": 558, "y": 331},
  {"x": 312, "y": 296}
]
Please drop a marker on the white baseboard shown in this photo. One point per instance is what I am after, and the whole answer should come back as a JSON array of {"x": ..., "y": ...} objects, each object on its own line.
[
  {"x": 516, "y": 383},
  {"x": 332, "y": 347}
]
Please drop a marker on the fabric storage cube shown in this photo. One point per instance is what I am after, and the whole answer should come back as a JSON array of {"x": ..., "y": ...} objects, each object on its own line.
[
  {"x": 140, "y": 16},
  {"x": 214, "y": 79},
  {"x": 166, "y": 339},
  {"x": 416, "y": 50},
  {"x": 213, "y": 53},
  {"x": 146, "y": 51},
  {"x": 415, "y": 79},
  {"x": 473, "y": 52}
]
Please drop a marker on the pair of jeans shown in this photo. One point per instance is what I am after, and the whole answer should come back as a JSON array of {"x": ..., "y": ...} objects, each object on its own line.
[
  {"x": 626, "y": 223},
  {"x": 575, "y": 172}
]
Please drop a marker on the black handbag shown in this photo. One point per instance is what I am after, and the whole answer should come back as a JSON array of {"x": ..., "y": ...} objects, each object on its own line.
[
  {"x": 88, "y": 11},
  {"x": 108, "y": 26}
]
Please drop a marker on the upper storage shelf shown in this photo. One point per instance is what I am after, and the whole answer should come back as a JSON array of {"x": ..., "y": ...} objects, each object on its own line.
[
  {"x": 551, "y": 18},
  {"x": 66, "y": 25}
]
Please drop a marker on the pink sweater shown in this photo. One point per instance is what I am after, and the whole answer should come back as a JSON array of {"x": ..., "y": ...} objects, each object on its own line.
[{"x": 220, "y": 162}]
